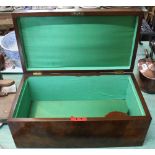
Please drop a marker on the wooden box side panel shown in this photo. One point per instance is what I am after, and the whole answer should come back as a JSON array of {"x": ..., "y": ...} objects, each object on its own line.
[{"x": 59, "y": 134}]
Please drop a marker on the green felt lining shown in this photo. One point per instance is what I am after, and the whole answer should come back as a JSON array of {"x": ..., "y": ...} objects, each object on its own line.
[
  {"x": 78, "y": 42},
  {"x": 24, "y": 101},
  {"x": 59, "y": 109},
  {"x": 89, "y": 96}
]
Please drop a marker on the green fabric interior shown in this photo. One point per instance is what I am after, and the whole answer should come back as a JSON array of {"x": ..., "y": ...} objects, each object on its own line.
[
  {"x": 80, "y": 96},
  {"x": 78, "y": 42}
]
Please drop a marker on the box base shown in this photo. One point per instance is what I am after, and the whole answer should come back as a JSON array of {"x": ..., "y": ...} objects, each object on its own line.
[{"x": 84, "y": 108}]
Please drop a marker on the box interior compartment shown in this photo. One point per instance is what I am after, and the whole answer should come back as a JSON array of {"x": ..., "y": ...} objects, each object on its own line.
[
  {"x": 79, "y": 96},
  {"x": 77, "y": 42}
]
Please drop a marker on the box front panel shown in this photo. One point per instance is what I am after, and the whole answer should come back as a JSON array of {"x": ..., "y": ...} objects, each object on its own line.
[{"x": 59, "y": 134}]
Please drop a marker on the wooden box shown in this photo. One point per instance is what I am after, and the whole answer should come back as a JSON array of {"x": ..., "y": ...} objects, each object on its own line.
[{"x": 78, "y": 87}]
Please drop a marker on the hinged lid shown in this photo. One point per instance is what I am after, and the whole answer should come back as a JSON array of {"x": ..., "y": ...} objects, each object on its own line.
[{"x": 74, "y": 40}]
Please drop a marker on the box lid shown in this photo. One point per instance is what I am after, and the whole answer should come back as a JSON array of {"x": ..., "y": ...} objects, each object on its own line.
[{"x": 75, "y": 40}]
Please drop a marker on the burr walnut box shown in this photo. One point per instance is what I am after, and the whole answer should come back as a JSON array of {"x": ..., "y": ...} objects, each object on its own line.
[{"x": 78, "y": 87}]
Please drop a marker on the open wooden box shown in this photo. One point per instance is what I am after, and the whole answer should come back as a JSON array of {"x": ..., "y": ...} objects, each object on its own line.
[{"x": 78, "y": 87}]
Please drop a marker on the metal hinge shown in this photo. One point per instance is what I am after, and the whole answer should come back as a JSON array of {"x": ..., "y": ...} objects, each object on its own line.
[
  {"x": 119, "y": 72},
  {"x": 37, "y": 73},
  {"x": 77, "y": 13}
]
